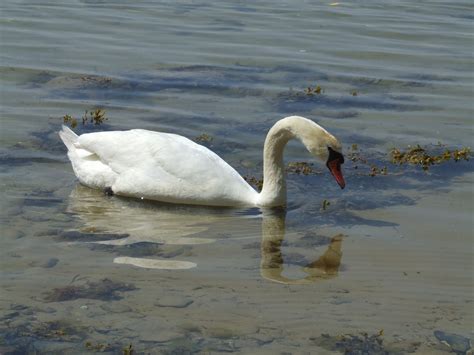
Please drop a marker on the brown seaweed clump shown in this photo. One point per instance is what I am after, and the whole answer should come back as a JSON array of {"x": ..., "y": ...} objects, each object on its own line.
[
  {"x": 105, "y": 290},
  {"x": 128, "y": 350},
  {"x": 59, "y": 330},
  {"x": 310, "y": 91},
  {"x": 252, "y": 180},
  {"x": 325, "y": 205},
  {"x": 204, "y": 138},
  {"x": 419, "y": 156},
  {"x": 95, "y": 117},
  {"x": 375, "y": 170},
  {"x": 99, "y": 347},
  {"x": 355, "y": 156},
  {"x": 362, "y": 344},
  {"x": 300, "y": 167},
  {"x": 69, "y": 120}
]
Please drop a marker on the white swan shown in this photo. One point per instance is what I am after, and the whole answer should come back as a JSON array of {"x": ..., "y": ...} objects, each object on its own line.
[{"x": 171, "y": 168}]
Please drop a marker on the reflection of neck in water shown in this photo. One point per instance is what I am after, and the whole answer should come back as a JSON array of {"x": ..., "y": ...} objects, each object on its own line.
[
  {"x": 271, "y": 265},
  {"x": 174, "y": 224}
]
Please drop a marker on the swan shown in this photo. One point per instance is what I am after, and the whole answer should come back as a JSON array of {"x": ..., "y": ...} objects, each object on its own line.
[{"x": 171, "y": 168}]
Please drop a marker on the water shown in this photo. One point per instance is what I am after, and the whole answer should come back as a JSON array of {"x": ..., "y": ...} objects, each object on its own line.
[{"x": 389, "y": 252}]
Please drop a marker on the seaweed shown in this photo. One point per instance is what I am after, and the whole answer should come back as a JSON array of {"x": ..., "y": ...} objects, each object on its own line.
[
  {"x": 105, "y": 290},
  {"x": 204, "y": 139},
  {"x": 375, "y": 170},
  {"x": 420, "y": 156},
  {"x": 128, "y": 350},
  {"x": 313, "y": 90},
  {"x": 95, "y": 117},
  {"x": 98, "y": 347},
  {"x": 416, "y": 156},
  {"x": 360, "y": 344},
  {"x": 301, "y": 167},
  {"x": 58, "y": 329},
  {"x": 325, "y": 205},
  {"x": 256, "y": 182}
]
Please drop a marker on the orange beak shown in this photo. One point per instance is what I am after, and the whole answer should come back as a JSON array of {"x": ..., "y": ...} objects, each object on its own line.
[{"x": 335, "y": 169}]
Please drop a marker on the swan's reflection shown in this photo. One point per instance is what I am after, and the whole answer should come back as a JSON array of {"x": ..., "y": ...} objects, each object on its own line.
[
  {"x": 143, "y": 221},
  {"x": 271, "y": 265},
  {"x": 150, "y": 222}
]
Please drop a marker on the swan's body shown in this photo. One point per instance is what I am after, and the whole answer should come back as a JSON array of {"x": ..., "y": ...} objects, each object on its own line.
[{"x": 171, "y": 168}]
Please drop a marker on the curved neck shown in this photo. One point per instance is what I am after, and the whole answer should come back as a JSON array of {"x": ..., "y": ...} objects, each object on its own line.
[{"x": 274, "y": 175}]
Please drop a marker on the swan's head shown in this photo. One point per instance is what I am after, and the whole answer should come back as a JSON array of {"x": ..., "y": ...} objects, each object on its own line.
[{"x": 327, "y": 148}]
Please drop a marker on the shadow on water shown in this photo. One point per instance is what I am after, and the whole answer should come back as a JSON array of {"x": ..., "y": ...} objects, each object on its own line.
[{"x": 233, "y": 81}]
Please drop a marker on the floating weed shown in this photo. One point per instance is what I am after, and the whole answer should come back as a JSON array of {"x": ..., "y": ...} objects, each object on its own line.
[
  {"x": 362, "y": 344},
  {"x": 325, "y": 205},
  {"x": 374, "y": 170},
  {"x": 105, "y": 289},
  {"x": 204, "y": 138},
  {"x": 99, "y": 347},
  {"x": 424, "y": 157},
  {"x": 128, "y": 350},
  {"x": 300, "y": 167},
  {"x": 69, "y": 120},
  {"x": 252, "y": 180},
  {"x": 61, "y": 330},
  {"x": 420, "y": 156},
  {"x": 313, "y": 90},
  {"x": 354, "y": 93},
  {"x": 355, "y": 156},
  {"x": 95, "y": 117}
]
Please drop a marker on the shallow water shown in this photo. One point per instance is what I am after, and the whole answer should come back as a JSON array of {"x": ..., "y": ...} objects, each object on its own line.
[{"x": 85, "y": 272}]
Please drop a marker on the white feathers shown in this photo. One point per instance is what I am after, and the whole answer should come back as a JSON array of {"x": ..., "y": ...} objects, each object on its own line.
[{"x": 171, "y": 168}]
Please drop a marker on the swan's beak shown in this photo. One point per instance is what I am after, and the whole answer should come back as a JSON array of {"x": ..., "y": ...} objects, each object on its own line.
[{"x": 335, "y": 169}]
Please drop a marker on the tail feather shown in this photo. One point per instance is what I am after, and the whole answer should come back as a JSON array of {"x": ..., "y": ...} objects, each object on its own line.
[{"x": 68, "y": 137}]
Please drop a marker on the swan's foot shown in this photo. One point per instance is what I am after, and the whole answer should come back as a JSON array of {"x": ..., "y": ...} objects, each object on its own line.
[{"x": 108, "y": 191}]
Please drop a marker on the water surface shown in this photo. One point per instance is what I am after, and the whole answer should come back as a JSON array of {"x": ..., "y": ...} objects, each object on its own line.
[{"x": 85, "y": 272}]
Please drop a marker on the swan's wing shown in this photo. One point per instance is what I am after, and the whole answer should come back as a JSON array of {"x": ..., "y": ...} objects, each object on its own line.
[{"x": 167, "y": 167}]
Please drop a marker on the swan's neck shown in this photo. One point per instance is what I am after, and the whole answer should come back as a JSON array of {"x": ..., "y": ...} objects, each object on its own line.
[
  {"x": 274, "y": 175},
  {"x": 315, "y": 138}
]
